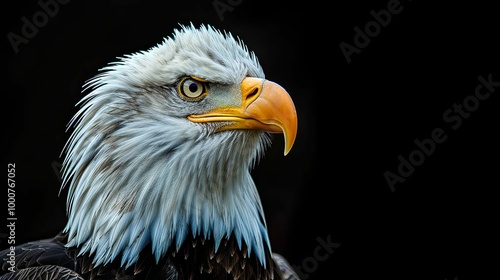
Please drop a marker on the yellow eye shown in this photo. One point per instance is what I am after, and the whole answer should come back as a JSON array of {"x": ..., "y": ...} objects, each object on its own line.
[{"x": 192, "y": 88}]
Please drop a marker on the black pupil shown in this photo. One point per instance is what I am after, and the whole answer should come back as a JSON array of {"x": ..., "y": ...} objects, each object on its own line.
[{"x": 193, "y": 87}]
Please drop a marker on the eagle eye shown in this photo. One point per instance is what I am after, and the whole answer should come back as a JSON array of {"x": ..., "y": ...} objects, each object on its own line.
[{"x": 192, "y": 88}]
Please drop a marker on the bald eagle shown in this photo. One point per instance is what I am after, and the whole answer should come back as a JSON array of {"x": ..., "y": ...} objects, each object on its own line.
[{"x": 157, "y": 168}]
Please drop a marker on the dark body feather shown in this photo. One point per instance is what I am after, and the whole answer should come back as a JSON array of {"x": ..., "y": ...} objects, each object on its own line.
[{"x": 196, "y": 259}]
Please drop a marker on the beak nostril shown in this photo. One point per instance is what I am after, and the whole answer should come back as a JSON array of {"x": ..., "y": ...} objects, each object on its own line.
[
  {"x": 251, "y": 89},
  {"x": 252, "y": 95}
]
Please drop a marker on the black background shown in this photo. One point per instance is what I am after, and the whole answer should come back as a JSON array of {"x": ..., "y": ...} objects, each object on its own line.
[{"x": 355, "y": 119}]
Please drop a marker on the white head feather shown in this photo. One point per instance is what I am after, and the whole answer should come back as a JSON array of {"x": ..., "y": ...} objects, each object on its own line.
[{"x": 140, "y": 173}]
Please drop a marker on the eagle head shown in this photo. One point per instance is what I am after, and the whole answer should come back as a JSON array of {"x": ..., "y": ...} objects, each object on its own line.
[{"x": 162, "y": 147}]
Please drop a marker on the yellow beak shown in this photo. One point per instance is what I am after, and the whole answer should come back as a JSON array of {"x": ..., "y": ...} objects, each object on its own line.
[{"x": 265, "y": 106}]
